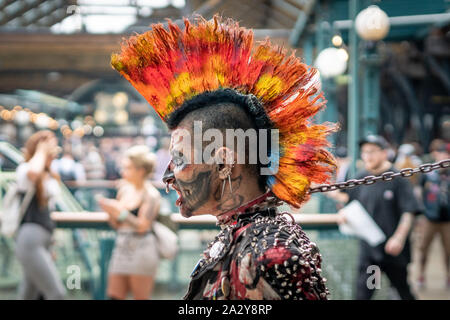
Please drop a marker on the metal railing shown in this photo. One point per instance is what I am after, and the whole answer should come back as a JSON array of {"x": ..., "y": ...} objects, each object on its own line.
[{"x": 84, "y": 238}]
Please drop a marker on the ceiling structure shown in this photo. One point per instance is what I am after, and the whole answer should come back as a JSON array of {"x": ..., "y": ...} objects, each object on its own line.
[
  {"x": 33, "y": 57},
  {"x": 267, "y": 14},
  {"x": 34, "y": 13}
]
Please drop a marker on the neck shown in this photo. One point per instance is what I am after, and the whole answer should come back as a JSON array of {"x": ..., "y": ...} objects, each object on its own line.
[
  {"x": 251, "y": 203},
  {"x": 139, "y": 184},
  {"x": 381, "y": 168}
]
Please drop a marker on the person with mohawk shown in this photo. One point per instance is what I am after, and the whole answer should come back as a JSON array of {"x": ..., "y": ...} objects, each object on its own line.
[{"x": 207, "y": 76}]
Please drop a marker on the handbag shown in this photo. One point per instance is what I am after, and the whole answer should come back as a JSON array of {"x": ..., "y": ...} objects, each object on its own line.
[
  {"x": 167, "y": 241},
  {"x": 13, "y": 209}
]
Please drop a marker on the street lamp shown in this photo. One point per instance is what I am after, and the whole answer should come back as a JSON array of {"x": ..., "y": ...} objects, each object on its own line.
[
  {"x": 331, "y": 62},
  {"x": 337, "y": 40},
  {"x": 372, "y": 23}
]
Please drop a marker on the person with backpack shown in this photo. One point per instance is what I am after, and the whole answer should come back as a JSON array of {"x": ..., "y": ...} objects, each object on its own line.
[
  {"x": 436, "y": 199},
  {"x": 34, "y": 235}
]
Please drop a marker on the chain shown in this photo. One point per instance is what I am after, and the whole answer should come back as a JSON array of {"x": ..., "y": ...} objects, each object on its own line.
[{"x": 387, "y": 176}]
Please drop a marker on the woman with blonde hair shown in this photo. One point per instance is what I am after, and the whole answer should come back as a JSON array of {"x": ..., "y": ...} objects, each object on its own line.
[
  {"x": 135, "y": 257},
  {"x": 33, "y": 240}
]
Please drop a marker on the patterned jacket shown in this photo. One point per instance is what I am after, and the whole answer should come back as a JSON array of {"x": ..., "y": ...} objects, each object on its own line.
[{"x": 262, "y": 255}]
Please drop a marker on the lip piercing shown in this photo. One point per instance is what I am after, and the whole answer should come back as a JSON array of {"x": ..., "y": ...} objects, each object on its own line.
[{"x": 167, "y": 187}]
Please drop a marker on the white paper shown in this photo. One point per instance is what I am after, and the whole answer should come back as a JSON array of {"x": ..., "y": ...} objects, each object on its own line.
[{"x": 360, "y": 224}]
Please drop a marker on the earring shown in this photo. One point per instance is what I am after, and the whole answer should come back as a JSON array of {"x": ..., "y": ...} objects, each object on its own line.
[
  {"x": 229, "y": 177},
  {"x": 228, "y": 173},
  {"x": 225, "y": 182},
  {"x": 223, "y": 187},
  {"x": 167, "y": 187}
]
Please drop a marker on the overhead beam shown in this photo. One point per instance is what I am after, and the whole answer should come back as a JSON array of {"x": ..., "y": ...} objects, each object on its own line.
[
  {"x": 300, "y": 4},
  {"x": 54, "y": 18},
  {"x": 6, "y": 3},
  {"x": 207, "y": 9},
  {"x": 300, "y": 24},
  {"x": 41, "y": 13},
  {"x": 420, "y": 19},
  {"x": 281, "y": 19},
  {"x": 438, "y": 72},
  {"x": 26, "y": 7},
  {"x": 286, "y": 8}
]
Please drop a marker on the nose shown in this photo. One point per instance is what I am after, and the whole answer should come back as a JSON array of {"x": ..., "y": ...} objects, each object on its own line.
[{"x": 168, "y": 176}]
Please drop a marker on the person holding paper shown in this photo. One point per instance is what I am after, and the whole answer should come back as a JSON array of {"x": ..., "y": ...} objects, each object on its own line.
[{"x": 392, "y": 206}]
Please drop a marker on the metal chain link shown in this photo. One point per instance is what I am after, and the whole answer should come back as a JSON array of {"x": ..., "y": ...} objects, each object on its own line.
[{"x": 386, "y": 176}]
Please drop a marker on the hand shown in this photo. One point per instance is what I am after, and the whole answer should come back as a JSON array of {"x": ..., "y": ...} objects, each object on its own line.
[
  {"x": 337, "y": 196},
  {"x": 394, "y": 245},
  {"x": 46, "y": 145},
  {"x": 332, "y": 194},
  {"x": 110, "y": 206},
  {"x": 43, "y": 146},
  {"x": 340, "y": 219}
]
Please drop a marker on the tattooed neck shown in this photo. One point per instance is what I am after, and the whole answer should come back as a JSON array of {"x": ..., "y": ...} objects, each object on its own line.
[{"x": 229, "y": 200}]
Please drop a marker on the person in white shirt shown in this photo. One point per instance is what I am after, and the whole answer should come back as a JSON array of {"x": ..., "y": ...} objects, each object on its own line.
[
  {"x": 68, "y": 168},
  {"x": 40, "y": 275}
]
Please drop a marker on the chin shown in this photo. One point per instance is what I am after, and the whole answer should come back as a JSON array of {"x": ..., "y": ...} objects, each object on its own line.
[{"x": 185, "y": 212}]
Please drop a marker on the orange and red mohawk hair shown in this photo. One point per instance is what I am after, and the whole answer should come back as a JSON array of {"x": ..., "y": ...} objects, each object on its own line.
[{"x": 171, "y": 66}]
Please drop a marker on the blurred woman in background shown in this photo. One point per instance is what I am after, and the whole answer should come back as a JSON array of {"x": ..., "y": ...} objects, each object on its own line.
[
  {"x": 135, "y": 257},
  {"x": 41, "y": 279}
]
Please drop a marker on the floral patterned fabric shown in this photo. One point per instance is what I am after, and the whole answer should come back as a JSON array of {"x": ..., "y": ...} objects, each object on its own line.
[{"x": 262, "y": 255}]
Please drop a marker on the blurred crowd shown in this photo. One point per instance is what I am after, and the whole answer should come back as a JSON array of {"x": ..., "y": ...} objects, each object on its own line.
[
  {"x": 99, "y": 159},
  {"x": 393, "y": 206}
]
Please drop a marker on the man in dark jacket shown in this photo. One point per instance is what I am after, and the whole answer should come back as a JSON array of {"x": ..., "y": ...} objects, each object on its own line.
[{"x": 392, "y": 206}]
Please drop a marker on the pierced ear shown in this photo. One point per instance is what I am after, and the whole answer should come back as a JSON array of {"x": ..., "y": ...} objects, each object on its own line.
[
  {"x": 225, "y": 162},
  {"x": 224, "y": 156}
]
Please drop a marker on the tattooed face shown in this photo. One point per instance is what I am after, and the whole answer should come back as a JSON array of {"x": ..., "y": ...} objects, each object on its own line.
[{"x": 196, "y": 184}]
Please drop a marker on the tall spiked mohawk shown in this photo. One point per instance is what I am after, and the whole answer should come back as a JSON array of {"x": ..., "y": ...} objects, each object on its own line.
[{"x": 170, "y": 67}]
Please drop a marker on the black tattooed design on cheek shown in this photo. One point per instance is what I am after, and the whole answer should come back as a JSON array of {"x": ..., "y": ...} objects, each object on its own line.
[{"x": 196, "y": 191}]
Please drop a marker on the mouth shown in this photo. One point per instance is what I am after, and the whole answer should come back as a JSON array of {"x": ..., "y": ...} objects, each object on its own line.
[{"x": 180, "y": 201}]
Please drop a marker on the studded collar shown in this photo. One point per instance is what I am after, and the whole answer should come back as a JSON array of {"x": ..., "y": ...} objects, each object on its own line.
[{"x": 223, "y": 242}]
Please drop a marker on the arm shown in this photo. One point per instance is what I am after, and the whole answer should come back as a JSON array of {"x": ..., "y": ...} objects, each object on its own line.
[
  {"x": 341, "y": 197},
  {"x": 396, "y": 242},
  {"x": 409, "y": 207},
  {"x": 37, "y": 162},
  {"x": 119, "y": 214},
  {"x": 147, "y": 213},
  {"x": 338, "y": 196}
]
